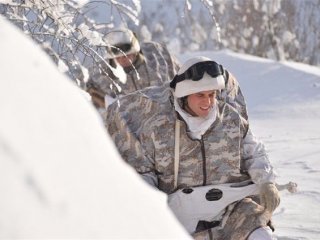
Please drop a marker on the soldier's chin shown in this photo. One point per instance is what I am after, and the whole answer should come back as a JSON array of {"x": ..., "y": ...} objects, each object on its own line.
[{"x": 204, "y": 113}]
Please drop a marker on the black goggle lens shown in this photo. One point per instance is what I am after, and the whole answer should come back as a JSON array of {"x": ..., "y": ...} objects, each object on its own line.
[
  {"x": 196, "y": 72},
  {"x": 121, "y": 48}
]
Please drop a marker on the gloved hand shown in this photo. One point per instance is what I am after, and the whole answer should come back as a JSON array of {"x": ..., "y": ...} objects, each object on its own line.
[{"x": 269, "y": 196}]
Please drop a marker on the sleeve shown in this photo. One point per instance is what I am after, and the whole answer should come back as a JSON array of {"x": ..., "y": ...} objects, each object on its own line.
[
  {"x": 176, "y": 64},
  {"x": 256, "y": 160},
  {"x": 127, "y": 140},
  {"x": 101, "y": 81},
  {"x": 171, "y": 60},
  {"x": 232, "y": 95}
]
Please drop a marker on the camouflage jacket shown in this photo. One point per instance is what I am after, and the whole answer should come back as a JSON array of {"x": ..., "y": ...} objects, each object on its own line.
[
  {"x": 155, "y": 67},
  {"x": 142, "y": 128}
]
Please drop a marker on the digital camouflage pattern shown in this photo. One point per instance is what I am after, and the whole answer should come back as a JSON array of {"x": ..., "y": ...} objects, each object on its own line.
[
  {"x": 142, "y": 125},
  {"x": 154, "y": 67},
  {"x": 143, "y": 130},
  {"x": 239, "y": 221},
  {"x": 232, "y": 94}
]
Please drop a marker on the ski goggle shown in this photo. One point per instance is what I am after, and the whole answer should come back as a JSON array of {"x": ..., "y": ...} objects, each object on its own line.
[
  {"x": 196, "y": 72},
  {"x": 121, "y": 48}
]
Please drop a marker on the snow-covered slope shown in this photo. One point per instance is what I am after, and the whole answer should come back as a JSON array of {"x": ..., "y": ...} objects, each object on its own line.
[{"x": 60, "y": 174}]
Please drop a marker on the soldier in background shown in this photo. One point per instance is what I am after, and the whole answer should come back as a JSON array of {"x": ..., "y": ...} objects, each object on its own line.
[
  {"x": 209, "y": 135},
  {"x": 130, "y": 66}
]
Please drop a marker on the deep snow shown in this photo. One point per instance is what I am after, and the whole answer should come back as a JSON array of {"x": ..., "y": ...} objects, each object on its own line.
[{"x": 61, "y": 176}]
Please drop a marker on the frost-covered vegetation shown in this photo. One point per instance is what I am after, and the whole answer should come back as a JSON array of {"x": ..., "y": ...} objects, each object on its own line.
[
  {"x": 276, "y": 29},
  {"x": 72, "y": 31}
]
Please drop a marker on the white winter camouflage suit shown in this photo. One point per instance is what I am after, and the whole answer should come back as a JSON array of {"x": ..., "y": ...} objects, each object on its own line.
[
  {"x": 155, "y": 66},
  {"x": 143, "y": 127}
]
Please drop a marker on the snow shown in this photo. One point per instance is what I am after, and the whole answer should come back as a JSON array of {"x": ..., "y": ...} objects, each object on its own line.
[{"x": 60, "y": 175}]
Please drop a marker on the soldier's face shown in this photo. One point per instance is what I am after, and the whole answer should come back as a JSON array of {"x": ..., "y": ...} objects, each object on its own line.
[
  {"x": 126, "y": 61},
  {"x": 199, "y": 104}
]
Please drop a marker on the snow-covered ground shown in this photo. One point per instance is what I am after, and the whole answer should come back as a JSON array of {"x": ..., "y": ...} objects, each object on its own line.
[{"x": 60, "y": 176}]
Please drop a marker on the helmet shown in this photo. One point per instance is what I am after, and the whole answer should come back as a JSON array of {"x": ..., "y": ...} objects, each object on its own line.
[
  {"x": 121, "y": 42},
  {"x": 198, "y": 74}
]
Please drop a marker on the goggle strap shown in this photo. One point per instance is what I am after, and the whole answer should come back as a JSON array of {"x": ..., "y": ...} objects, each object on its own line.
[{"x": 177, "y": 79}]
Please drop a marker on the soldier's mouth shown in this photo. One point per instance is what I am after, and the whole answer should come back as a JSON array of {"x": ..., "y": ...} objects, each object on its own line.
[{"x": 205, "y": 108}]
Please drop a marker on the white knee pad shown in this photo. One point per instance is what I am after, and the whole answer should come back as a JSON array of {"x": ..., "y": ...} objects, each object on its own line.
[{"x": 262, "y": 233}]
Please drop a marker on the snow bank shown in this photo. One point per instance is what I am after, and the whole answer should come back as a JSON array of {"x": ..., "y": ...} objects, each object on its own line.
[{"x": 60, "y": 175}]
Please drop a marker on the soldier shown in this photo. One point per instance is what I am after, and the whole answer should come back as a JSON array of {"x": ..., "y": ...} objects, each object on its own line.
[
  {"x": 130, "y": 66},
  {"x": 195, "y": 134}
]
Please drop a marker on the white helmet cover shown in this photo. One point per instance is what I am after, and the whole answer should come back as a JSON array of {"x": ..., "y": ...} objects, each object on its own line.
[
  {"x": 206, "y": 83},
  {"x": 119, "y": 37}
]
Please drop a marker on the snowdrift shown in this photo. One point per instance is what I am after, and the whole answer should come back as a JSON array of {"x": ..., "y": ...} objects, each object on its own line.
[{"x": 60, "y": 174}]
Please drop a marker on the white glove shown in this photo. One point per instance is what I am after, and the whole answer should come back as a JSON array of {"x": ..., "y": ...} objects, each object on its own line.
[{"x": 269, "y": 196}]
